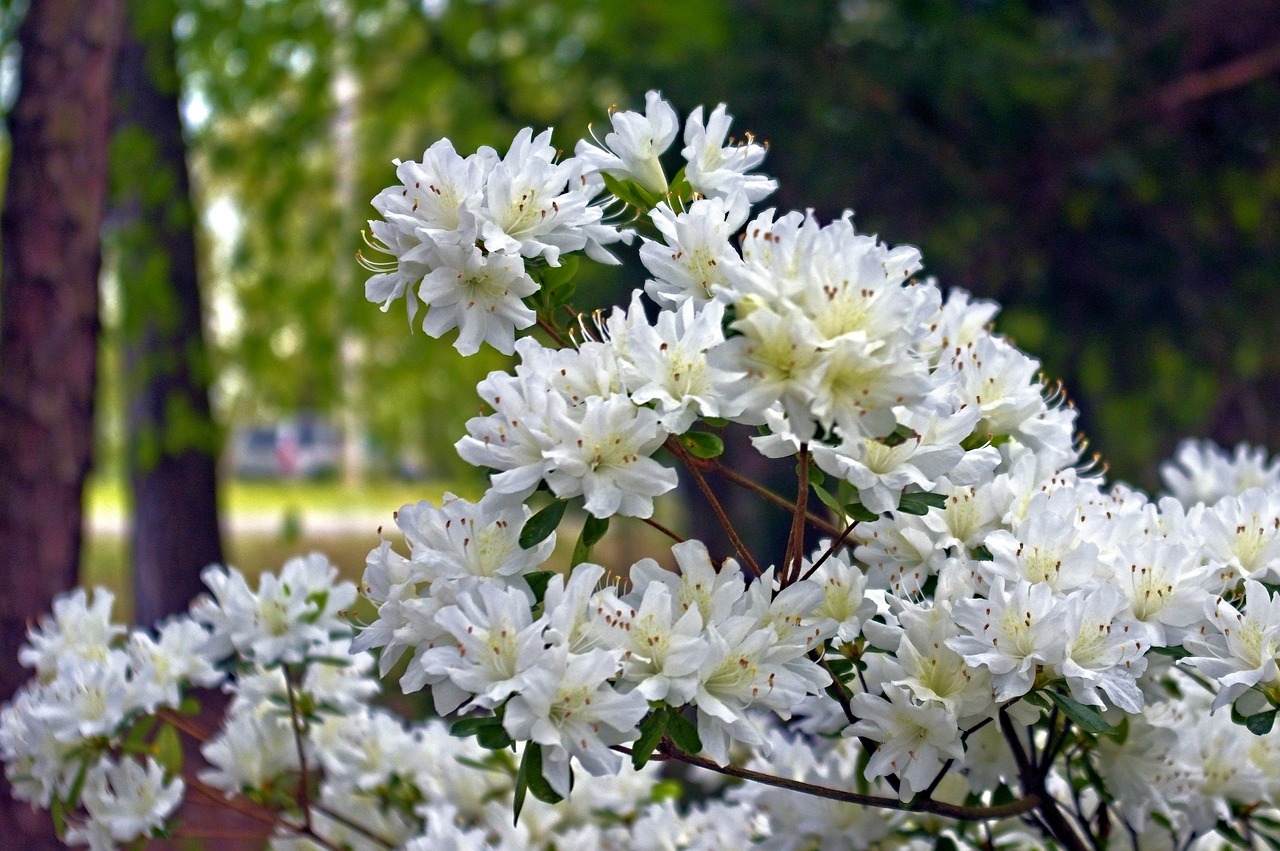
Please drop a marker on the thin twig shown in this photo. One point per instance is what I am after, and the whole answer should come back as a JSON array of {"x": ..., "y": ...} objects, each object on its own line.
[
  {"x": 303, "y": 794},
  {"x": 769, "y": 496},
  {"x": 940, "y": 808},
  {"x": 1033, "y": 786},
  {"x": 680, "y": 452},
  {"x": 184, "y": 725},
  {"x": 831, "y": 550},
  {"x": 663, "y": 529},
  {"x": 552, "y": 333},
  {"x": 795, "y": 540},
  {"x": 354, "y": 825},
  {"x": 843, "y": 699}
]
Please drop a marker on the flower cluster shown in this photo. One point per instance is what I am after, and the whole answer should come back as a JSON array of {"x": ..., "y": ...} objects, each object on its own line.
[
  {"x": 977, "y": 581},
  {"x": 968, "y": 638}
]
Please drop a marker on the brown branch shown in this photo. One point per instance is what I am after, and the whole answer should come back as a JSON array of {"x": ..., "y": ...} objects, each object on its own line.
[
  {"x": 1199, "y": 85},
  {"x": 1032, "y": 782},
  {"x": 552, "y": 333},
  {"x": 831, "y": 550},
  {"x": 940, "y": 808},
  {"x": 795, "y": 540},
  {"x": 680, "y": 452},
  {"x": 354, "y": 825},
  {"x": 184, "y": 725},
  {"x": 303, "y": 794},
  {"x": 769, "y": 496},
  {"x": 663, "y": 529}
]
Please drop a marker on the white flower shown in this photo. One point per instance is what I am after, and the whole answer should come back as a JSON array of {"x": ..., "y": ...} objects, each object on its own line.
[
  {"x": 480, "y": 295},
  {"x": 699, "y": 585},
  {"x": 284, "y": 620},
  {"x": 697, "y": 258},
  {"x": 77, "y": 631},
  {"x": 497, "y": 645},
  {"x": 87, "y": 699},
  {"x": 437, "y": 197},
  {"x": 126, "y": 800},
  {"x": 602, "y": 453},
  {"x": 745, "y": 668},
  {"x": 719, "y": 170},
  {"x": 513, "y": 438},
  {"x": 1165, "y": 585},
  {"x": 666, "y": 363},
  {"x": 462, "y": 538},
  {"x": 1045, "y": 547},
  {"x": 161, "y": 666},
  {"x": 1104, "y": 649},
  {"x": 843, "y": 587},
  {"x": 1202, "y": 472},
  {"x": 1241, "y": 535},
  {"x": 661, "y": 645},
  {"x": 1011, "y": 633},
  {"x": 250, "y": 752},
  {"x": 632, "y": 150},
  {"x": 915, "y": 738},
  {"x": 567, "y": 705},
  {"x": 1243, "y": 649},
  {"x": 531, "y": 209}
]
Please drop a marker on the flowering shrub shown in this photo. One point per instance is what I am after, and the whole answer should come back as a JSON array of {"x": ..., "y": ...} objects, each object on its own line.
[{"x": 968, "y": 638}]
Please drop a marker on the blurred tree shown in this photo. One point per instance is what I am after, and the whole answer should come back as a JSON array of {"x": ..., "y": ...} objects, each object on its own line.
[
  {"x": 475, "y": 72},
  {"x": 172, "y": 441},
  {"x": 54, "y": 201},
  {"x": 1107, "y": 170}
]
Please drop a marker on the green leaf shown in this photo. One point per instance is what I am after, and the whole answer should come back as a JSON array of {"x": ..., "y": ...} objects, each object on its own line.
[
  {"x": 557, "y": 278},
  {"x": 665, "y": 790},
  {"x": 538, "y": 583},
  {"x": 592, "y": 531},
  {"x": 1085, "y": 717},
  {"x": 702, "y": 444},
  {"x": 58, "y": 811},
  {"x": 651, "y": 730},
  {"x": 77, "y": 785},
  {"x": 540, "y": 526},
  {"x": 464, "y": 728},
  {"x": 683, "y": 732},
  {"x": 920, "y": 503},
  {"x": 530, "y": 777},
  {"x": 168, "y": 749},
  {"x": 1261, "y": 723},
  {"x": 140, "y": 730},
  {"x": 493, "y": 738},
  {"x": 860, "y": 512},
  {"x": 827, "y": 499},
  {"x": 629, "y": 191},
  {"x": 522, "y": 781},
  {"x": 1229, "y": 833},
  {"x": 191, "y": 706}
]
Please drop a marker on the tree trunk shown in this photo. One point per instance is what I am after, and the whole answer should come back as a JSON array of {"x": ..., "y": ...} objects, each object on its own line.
[
  {"x": 172, "y": 439},
  {"x": 49, "y": 239}
]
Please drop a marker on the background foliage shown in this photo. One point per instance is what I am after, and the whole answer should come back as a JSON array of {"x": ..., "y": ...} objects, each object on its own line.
[{"x": 1107, "y": 170}]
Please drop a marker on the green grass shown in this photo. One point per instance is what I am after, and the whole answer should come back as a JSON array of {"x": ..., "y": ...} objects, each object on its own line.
[
  {"x": 110, "y": 496},
  {"x": 105, "y": 563},
  {"x": 105, "y": 559}
]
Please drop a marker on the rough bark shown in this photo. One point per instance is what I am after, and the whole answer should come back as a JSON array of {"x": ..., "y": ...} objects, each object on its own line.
[
  {"x": 172, "y": 440},
  {"x": 49, "y": 239}
]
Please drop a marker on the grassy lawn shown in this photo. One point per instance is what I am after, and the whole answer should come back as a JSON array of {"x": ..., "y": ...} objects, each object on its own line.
[
  {"x": 105, "y": 559},
  {"x": 110, "y": 496}
]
